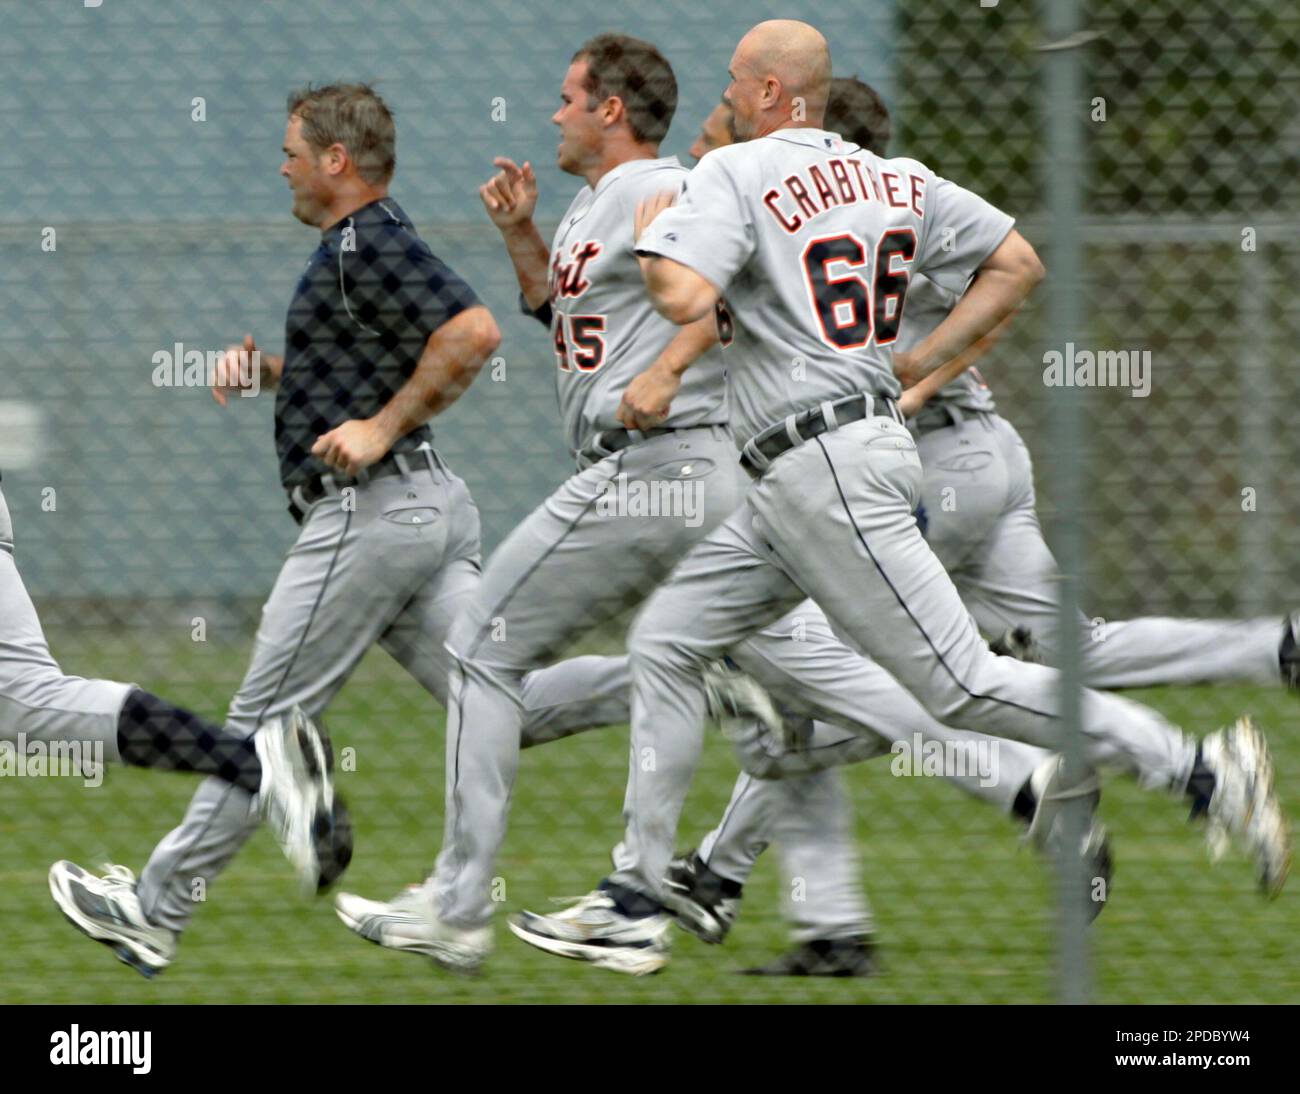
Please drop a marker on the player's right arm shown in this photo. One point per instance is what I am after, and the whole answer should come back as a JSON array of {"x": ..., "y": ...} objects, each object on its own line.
[
  {"x": 235, "y": 368},
  {"x": 510, "y": 198}
]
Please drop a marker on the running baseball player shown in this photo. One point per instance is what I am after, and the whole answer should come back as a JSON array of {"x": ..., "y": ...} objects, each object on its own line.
[
  {"x": 283, "y": 765},
  {"x": 704, "y": 888},
  {"x": 587, "y": 553},
  {"x": 814, "y": 242},
  {"x": 380, "y": 336}
]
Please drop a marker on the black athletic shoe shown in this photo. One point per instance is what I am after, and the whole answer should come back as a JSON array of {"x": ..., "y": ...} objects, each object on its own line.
[
  {"x": 1288, "y": 655},
  {"x": 824, "y": 957},
  {"x": 334, "y": 847},
  {"x": 1018, "y": 642},
  {"x": 703, "y": 903}
]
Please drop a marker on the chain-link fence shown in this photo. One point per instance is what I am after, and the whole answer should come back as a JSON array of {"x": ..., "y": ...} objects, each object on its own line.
[{"x": 144, "y": 219}]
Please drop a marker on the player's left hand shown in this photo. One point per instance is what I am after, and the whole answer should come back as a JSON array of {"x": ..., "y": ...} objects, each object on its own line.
[
  {"x": 647, "y": 210},
  {"x": 353, "y": 445},
  {"x": 648, "y": 398}
]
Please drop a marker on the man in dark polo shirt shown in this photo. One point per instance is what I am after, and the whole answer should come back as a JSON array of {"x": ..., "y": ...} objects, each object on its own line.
[{"x": 381, "y": 335}]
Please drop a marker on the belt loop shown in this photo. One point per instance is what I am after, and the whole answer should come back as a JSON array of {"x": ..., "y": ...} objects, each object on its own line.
[
  {"x": 828, "y": 416},
  {"x": 751, "y": 453},
  {"x": 403, "y": 465},
  {"x": 792, "y": 431},
  {"x": 955, "y": 414}
]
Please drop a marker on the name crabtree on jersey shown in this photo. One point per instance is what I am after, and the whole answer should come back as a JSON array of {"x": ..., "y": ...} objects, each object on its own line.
[
  {"x": 815, "y": 241},
  {"x": 604, "y": 328}
]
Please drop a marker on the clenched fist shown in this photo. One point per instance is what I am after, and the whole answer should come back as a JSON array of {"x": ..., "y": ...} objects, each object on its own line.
[{"x": 353, "y": 445}]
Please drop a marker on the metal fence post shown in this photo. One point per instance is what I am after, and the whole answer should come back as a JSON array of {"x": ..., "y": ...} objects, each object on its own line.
[{"x": 1063, "y": 170}]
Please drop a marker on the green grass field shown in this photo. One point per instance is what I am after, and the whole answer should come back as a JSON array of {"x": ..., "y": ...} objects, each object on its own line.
[{"x": 964, "y": 914}]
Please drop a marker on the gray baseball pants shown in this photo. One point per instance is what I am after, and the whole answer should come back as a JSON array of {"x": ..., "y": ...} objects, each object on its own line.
[
  {"x": 598, "y": 545},
  {"x": 37, "y": 699},
  {"x": 832, "y": 519},
  {"x": 979, "y": 498},
  {"x": 391, "y": 562},
  {"x": 978, "y": 494}
]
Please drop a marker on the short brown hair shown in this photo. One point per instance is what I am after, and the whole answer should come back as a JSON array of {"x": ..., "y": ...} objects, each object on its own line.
[
  {"x": 856, "y": 112},
  {"x": 637, "y": 73},
  {"x": 354, "y": 116}
]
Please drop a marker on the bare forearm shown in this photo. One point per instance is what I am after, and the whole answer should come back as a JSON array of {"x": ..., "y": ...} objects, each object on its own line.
[
  {"x": 688, "y": 345},
  {"x": 677, "y": 292},
  {"x": 450, "y": 361},
  {"x": 530, "y": 257},
  {"x": 1001, "y": 285},
  {"x": 946, "y": 373},
  {"x": 991, "y": 299}
]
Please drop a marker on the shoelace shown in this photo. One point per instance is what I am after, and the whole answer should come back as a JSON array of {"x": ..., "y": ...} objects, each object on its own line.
[
  {"x": 118, "y": 875},
  {"x": 596, "y": 898}
]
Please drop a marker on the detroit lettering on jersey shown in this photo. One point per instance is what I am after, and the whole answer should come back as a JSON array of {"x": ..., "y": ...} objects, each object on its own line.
[
  {"x": 927, "y": 306},
  {"x": 604, "y": 329},
  {"x": 814, "y": 241},
  {"x": 371, "y": 295}
]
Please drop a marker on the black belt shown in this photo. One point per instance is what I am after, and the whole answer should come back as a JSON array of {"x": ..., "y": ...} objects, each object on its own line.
[
  {"x": 778, "y": 439},
  {"x": 306, "y": 494},
  {"x": 609, "y": 441},
  {"x": 937, "y": 416}
]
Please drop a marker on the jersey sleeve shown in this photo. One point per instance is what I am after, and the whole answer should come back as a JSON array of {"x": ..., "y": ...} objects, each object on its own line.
[
  {"x": 395, "y": 284},
  {"x": 961, "y": 231},
  {"x": 708, "y": 229}
]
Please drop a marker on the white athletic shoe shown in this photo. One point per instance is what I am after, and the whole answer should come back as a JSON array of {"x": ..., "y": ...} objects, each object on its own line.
[
  {"x": 107, "y": 909},
  {"x": 1244, "y": 806},
  {"x": 1045, "y": 829},
  {"x": 766, "y": 745},
  {"x": 736, "y": 700},
  {"x": 594, "y": 930},
  {"x": 1051, "y": 792},
  {"x": 408, "y": 923},
  {"x": 296, "y": 798}
]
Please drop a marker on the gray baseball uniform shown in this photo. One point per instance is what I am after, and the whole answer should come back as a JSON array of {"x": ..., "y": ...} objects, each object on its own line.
[
  {"x": 600, "y": 542},
  {"x": 813, "y": 245}
]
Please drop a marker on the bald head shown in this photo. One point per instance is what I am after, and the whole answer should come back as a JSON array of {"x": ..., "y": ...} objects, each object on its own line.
[{"x": 780, "y": 78}]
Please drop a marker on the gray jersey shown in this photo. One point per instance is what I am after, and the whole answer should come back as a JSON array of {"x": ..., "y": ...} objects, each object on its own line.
[
  {"x": 814, "y": 240},
  {"x": 928, "y": 305},
  {"x": 603, "y": 326}
]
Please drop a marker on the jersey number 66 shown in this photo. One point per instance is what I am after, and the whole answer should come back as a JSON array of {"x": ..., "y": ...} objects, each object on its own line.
[{"x": 847, "y": 306}]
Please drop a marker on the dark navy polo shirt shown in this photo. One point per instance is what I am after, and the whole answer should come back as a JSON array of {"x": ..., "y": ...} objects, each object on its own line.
[{"x": 365, "y": 306}]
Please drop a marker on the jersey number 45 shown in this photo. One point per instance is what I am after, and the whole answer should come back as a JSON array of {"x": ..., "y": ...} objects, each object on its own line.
[
  {"x": 847, "y": 307},
  {"x": 585, "y": 344}
]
